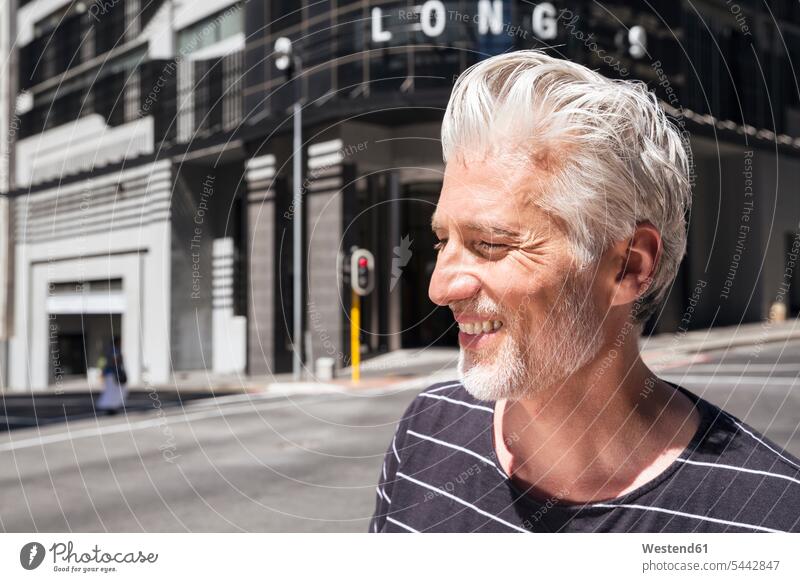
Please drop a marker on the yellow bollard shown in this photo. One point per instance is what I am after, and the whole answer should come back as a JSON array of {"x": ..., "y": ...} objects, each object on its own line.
[{"x": 355, "y": 345}]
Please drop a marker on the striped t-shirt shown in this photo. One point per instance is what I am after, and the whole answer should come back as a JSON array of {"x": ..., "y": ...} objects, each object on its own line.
[{"x": 441, "y": 474}]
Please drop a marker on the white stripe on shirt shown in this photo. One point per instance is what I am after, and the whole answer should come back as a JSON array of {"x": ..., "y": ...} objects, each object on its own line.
[
  {"x": 444, "y": 387},
  {"x": 461, "y": 501},
  {"x": 461, "y": 402},
  {"x": 394, "y": 448},
  {"x": 692, "y": 515},
  {"x": 733, "y": 420},
  {"x": 452, "y": 446},
  {"x": 742, "y": 469},
  {"x": 404, "y": 526}
]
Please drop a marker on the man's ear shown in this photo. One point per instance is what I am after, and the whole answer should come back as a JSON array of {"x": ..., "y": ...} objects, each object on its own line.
[{"x": 634, "y": 263}]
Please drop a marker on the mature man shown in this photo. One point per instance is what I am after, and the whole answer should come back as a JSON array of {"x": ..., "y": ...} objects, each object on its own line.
[{"x": 561, "y": 225}]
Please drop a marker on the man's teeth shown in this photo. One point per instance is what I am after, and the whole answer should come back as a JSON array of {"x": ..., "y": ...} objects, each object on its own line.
[{"x": 480, "y": 326}]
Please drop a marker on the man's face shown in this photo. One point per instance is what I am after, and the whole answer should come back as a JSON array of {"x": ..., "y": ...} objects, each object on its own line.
[{"x": 527, "y": 318}]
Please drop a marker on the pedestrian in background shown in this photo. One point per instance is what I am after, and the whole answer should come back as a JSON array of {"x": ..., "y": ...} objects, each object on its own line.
[{"x": 115, "y": 380}]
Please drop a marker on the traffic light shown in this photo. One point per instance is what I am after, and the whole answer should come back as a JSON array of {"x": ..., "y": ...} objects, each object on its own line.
[{"x": 362, "y": 272}]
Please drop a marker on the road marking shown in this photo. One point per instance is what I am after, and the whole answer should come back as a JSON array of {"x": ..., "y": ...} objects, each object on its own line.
[{"x": 212, "y": 401}]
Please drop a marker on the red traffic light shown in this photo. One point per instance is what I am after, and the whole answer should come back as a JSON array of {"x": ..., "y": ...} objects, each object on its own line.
[{"x": 362, "y": 275}]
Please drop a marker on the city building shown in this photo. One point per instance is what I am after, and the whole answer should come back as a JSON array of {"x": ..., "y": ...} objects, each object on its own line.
[
  {"x": 152, "y": 193},
  {"x": 119, "y": 228},
  {"x": 8, "y": 125}
]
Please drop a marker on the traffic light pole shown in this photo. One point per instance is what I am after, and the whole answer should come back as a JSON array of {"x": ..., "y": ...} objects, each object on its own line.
[
  {"x": 355, "y": 343},
  {"x": 362, "y": 281},
  {"x": 297, "y": 201}
]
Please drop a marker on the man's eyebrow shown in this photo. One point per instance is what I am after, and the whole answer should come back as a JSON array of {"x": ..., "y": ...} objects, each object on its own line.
[
  {"x": 487, "y": 228},
  {"x": 491, "y": 229}
]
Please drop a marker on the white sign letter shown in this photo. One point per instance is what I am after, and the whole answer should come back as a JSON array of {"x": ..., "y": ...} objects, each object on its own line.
[
  {"x": 543, "y": 21},
  {"x": 490, "y": 16},
  {"x": 378, "y": 34},
  {"x": 435, "y": 29}
]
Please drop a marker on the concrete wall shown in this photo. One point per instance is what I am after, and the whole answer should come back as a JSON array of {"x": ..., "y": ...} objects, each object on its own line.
[
  {"x": 261, "y": 254},
  {"x": 724, "y": 239},
  {"x": 326, "y": 306},
  {"x": 270, "y": 223},
  {"x": 202, "y": 205},
  {"x": 744, "y": 205}
]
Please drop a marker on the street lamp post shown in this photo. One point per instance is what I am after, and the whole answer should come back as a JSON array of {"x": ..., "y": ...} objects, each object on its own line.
[{"x": 287, "y": 60}]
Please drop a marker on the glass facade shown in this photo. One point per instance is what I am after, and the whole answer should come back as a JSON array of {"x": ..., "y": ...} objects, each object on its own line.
[
  {"x": 211, "y": 30},
  {"x": 707, "y": 52}
]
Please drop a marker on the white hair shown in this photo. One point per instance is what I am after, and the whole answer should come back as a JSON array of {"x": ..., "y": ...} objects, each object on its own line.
[{"x": 609, "y": 155}]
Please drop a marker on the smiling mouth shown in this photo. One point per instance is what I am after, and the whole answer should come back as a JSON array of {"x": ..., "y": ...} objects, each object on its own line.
[{"x": 480, "y": 327}]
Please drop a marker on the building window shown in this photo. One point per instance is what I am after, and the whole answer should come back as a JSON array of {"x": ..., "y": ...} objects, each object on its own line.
[
  {"x": 109, "y": 32},
  {"x": 211, "y": 30},
  {"x": 108, "y": 98}
]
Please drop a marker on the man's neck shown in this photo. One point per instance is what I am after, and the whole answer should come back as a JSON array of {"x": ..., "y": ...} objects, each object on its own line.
[{"x": 596, "y": 436}]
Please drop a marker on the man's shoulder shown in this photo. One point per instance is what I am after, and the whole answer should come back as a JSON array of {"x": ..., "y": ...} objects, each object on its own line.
[
  {"x": 444, "y": 403},
  {"x": 729, "y": 440},
  {"x": 739, "y": 471}
]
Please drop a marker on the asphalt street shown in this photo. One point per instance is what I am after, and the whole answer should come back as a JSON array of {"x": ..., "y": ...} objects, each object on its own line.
[
  {"x": 303, "y": 463},
  {"x": 285, "y": 463}
]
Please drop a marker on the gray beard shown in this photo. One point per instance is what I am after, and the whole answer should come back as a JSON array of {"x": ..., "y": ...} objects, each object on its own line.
[{"x": 521, "y": 370}]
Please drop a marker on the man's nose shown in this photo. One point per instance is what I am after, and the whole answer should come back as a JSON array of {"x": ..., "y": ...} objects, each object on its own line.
[{"x": 452, "y": 280}]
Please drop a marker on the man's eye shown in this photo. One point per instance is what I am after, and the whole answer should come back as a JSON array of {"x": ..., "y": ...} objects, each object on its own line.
[
  {"x": 439, "y": 245},
  {"x": 490, "y": 246}
]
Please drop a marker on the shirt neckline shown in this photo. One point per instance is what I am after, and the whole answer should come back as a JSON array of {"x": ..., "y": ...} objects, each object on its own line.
[{"x": 705, "y": 411}]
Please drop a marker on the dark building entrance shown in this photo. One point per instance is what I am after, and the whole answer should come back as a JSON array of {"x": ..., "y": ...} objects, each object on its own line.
[
  {"x": 78, "y": 340},
  {"x": 393, "y": 221},
  {"x": 423, "y": 323}
]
